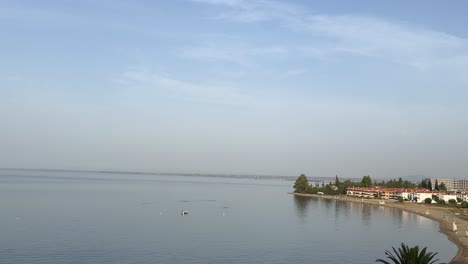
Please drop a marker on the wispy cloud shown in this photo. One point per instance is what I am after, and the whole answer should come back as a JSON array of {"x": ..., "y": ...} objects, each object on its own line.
[
  {"x": 185, "y": 90},
  {"x": 294, "y": 72},
  {"x": 388, "y": 40},
  {"x": 231, "y": 53},
  {"x": 242, "y": 54},
  {"x": 255, "y": 11}
]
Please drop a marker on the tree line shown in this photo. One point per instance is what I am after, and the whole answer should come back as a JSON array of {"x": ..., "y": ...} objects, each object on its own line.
[
  {"x": 427, "y": 184},
  {"x": 338, "y": 187}
]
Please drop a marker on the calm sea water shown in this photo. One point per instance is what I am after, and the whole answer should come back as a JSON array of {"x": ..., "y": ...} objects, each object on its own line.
[{"x": 66, "y": 217}]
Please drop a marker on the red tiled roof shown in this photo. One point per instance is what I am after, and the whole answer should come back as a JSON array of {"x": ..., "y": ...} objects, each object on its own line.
[{"x": 383, "y": 189}]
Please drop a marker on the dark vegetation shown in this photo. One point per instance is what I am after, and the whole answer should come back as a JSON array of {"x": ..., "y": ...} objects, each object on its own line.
[
  {"x": 409, "y": 255},
  {"x": 338, "y": 187}
]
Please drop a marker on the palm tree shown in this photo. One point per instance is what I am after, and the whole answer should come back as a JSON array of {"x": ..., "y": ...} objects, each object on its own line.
[{"x": 407, "y": 255}]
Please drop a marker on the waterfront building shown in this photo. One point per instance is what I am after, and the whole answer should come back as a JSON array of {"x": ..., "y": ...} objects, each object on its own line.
[
  {"x": 409, "y": 194},
  {"x": 447, "y": 197}
]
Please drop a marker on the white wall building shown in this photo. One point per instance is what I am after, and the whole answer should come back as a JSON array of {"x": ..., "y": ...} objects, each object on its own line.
[
  {"x": 447, "y": 197},
  {"x": 421, "y": 196}
]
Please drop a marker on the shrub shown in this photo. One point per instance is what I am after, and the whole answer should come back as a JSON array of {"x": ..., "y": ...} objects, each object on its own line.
[
  {"x": 441, "y": 201},
  {"x": 400, "y": 199},
  {"x": 459, "y": 199},
  {"x": 464, "y": 204},
  {"x": 452, "y": 201},
  {"x": 428, "y": 200}
]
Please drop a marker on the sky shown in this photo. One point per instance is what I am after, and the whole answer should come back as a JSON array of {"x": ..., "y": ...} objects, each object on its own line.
[{"x": 325, "y": 88}]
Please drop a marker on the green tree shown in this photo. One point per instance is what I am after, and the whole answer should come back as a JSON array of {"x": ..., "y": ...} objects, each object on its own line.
[
  {"x": 423, "y": 184},
  {"x": 337, "y": 182},
  {"x": 429, "y": 185},
  {"x": 409, "y": 255},
  {"x": 400, "y": 183},
  {"x": 452, "y": 201},
  {"x": 302, "y": 184},
  {"x": 428, "y": 200},
  {"x": 345, "y": 185},
  {"x": 366, "y": 181},
  {"x": 442, "y": 187},
  {"x": 436, "y": 186}
]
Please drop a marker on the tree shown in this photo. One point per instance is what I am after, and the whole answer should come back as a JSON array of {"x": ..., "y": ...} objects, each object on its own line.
[
  {"x": 429, "y": 185},
  {"x": 423, "y": 184},
  {"x": 407, "y": 255},
  {"x": 345, "y": 185},
  {"x": 452, "y": 201},
  {"x": 428, "y": 200},
  {"x": 302, "y": 184},
  {"x": 337, "y": 182},
  {"x": 436, "y": 186},
  {"x": 442, "y": 187},
  {"x": 400, "y": 183},
  {"x": 366, "y": 181}
]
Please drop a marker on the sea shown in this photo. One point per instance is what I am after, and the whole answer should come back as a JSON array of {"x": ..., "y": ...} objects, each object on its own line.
[{"x": 61, "y": 217}]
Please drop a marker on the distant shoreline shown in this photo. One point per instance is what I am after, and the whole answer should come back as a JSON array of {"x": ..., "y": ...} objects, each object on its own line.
[
  {"x": 435, "y": 213},
  {"x": 287, "y": 178}
]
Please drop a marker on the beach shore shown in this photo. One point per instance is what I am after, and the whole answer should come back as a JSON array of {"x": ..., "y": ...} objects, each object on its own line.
[{"x": 444, "y": 215}]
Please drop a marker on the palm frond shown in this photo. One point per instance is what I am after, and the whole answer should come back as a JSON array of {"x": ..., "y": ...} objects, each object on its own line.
[{"x": 409, "y": 255}]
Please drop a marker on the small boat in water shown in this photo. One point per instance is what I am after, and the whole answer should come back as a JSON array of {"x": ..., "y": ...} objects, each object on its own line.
[{"x": 183, "y": 212}]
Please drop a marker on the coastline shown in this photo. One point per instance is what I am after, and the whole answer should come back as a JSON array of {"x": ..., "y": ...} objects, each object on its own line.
[{"x": 443, "y": 215}]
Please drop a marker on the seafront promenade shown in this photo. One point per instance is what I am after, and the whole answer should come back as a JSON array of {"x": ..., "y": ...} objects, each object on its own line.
[{"x": 444, "y": 215}]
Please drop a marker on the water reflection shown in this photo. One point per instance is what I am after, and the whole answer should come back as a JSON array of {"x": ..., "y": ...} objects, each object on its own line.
[
  {"x": 328, "y": 203},
  {"x": 302, "y": 203},
  {"x": 341, "y": 207},
  {"x": 339, "y": 212},
  {"x": 366, "y": 214},
  {"x": 371, "y": 222}
]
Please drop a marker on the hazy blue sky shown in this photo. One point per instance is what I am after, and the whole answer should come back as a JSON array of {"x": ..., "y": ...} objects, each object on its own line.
[{"x": 230, "y": 86}]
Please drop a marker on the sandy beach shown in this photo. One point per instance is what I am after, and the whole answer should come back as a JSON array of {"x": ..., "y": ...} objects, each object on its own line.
[{"x": 444, "y": 215}]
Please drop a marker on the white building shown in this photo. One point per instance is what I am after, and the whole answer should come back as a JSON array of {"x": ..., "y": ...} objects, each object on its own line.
[
  {"x": 447, "y": 197},
  {"x": 421, "y": 196},
  {"x": 463, "y": 196}
]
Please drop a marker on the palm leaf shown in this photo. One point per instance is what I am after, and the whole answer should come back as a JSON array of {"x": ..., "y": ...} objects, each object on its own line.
[{"x": 407, "y": 255}]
